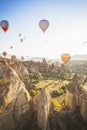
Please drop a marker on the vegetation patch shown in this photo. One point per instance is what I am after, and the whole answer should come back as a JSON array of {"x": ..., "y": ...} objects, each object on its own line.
[
  {"x": 56, "y": 104},
  {"x": 33, "y": 92},
  {"x": 24, "y": 77}
]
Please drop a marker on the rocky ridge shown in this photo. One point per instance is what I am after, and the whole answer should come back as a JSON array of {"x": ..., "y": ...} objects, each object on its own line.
[{"x": 20, "y": 111}]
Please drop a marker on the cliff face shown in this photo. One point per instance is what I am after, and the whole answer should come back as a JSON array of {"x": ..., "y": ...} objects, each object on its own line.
[
  {"x": 14, "y": 100},
  {"x": 36, "y": 67},
  {"x": 41, "y": 106},
  {"x": 84, "y": 104},
  {"x": 76, "y": 97},
  {"x": 3, "y": 68},
  {"x": 18, "y": 66},
  {"x": 74, "y": 94},
  {"x": 17, "y": 110}
]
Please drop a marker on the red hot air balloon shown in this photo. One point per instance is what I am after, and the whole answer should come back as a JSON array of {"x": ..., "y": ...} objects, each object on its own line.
[
  {"x": 65, "y": 57},
  {"x": 43, "y": 24},
  {"x": 4, "y": 25},
  {"x": 4, "y": 54}
]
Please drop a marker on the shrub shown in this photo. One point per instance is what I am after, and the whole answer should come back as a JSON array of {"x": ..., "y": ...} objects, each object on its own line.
[
  {"x": 56, "y": 104},
  {"x": 33, "y": 92},
  {"x": 24, "y": 77},
  {"x": 64, "y": 76},
  {"x": 61, "y": 91},
  {"x": 55, "y": 93},
  {"x": 63, "y": 103},
  {"x": 1, "y": 81}
]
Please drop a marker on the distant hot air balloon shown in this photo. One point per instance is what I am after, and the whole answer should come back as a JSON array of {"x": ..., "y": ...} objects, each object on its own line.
[
  {"x": 19, "y": 35},
  {"x": 85, "y": 42},
  {"x": 65, "y": 57},
  {"x": 4, "y": 25},
  {"x": 43, "y": 24},
  {"x": 21, "y": 39},
  {"x": 4, "y": 54},
  {"x": 11, "y": 47},
  {"x": 22, "y": 57}
]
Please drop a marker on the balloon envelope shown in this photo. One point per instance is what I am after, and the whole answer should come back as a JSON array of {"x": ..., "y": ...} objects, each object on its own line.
[
  {"x": 21, "y": 40},
  {"x": 65, "y": 57},
  {"x": 43, "y": 24},
  {"x": 4, "y": 25},
  {"x": 22, "y": 57},
  {"x": 19, "y": 35},
  {"x": 85, "y": 42},
  {"x": 11, "y": 47},
  {"x": 4, "y": 53}
]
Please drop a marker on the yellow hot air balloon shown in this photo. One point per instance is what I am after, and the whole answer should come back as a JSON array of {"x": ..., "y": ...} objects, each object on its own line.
[
  {"x": 43, "y": 24},
  {"x": 65, "y": 57}
]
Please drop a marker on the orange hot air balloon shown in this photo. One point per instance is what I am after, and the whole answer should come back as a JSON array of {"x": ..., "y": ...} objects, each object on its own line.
[
  {"x": 65, "y": 57},
  {"x": 4, "y": 25},
  {"x": 43, "y": 24},
  {"x": 4, "y": 54}
]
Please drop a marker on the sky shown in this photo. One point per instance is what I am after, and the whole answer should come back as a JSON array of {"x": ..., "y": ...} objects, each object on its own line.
[{"x": 66, "y": 33}]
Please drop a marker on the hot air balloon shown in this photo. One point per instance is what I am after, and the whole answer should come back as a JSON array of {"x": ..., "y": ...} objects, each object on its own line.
[
  {"x": 19, "y": 35},
  {"x": 85, "y": 42},
  {"x": 65, "y": 57},
  {"x": 21, "y": 39},
  {"x": 43, "y": 24},
  {"x": 4, "y": 54},
  {"x": 11, "y": 47},
  {"x": 22, "y": 57},
  {"x": 4, "y": 25}
]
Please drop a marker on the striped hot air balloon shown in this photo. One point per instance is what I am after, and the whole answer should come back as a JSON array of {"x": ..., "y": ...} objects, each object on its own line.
[
  {"x": 4, "y": 25},
  {"x": 43, "y": 24}
]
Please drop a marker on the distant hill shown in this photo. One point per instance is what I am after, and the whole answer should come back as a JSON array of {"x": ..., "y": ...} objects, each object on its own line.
[{"x": 79, "y": 57}]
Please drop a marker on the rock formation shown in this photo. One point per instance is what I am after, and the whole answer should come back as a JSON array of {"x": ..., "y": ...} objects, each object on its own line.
[
  {"x": 76, "y": 97},
  {"x": 41, "y": 105},
  {"x": 19, "y": 111},
  {"x": 14, "y": 101},
  {"x": 74, "y": 93}
]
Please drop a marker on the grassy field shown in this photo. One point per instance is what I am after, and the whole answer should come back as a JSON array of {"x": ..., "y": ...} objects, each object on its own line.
[{"x": 56, "y": 85}]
